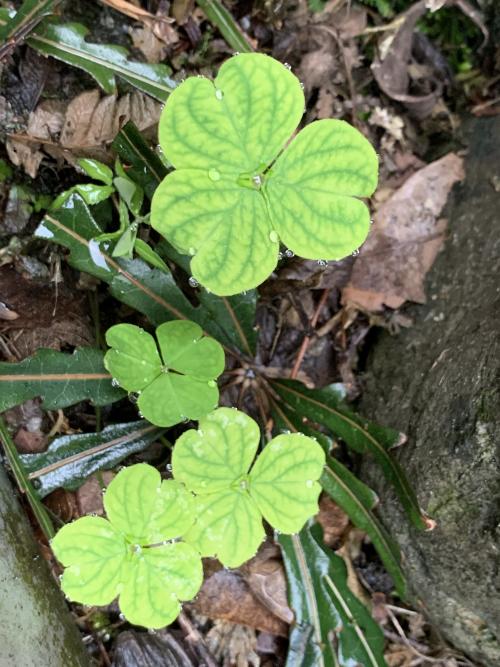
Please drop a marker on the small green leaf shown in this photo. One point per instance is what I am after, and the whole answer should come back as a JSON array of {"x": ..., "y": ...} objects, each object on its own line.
[
  {"x": 218, "y": 453},
  {"x": 213, "y": 462},
  {"x": 96, "y": 170},
  {"x": 93, "y": 194},
  {"x": 127, "y": 555},
  {"x": 283, "y": 481},
  {"x": 179, "y": 384},
  {"x": 230, "y": 527},
  {"x": 71, "y": 459},
  {"x": 238, "y": 188},
  {"x": 149, "y": 255},
  {"x": 61, "y": 379},
  {"x": 130, "y": 192},
  {"x": 94, "y": 554},
  {"x": 144, "y": 508}
]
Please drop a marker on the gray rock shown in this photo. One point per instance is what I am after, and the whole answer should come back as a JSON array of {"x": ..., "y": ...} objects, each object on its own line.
[{"x": 439, "y": 382}]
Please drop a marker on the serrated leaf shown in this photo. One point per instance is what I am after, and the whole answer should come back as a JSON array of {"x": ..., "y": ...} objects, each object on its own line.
[
  {"x": 353, "y": 496},
  {"x": 127, "y": 555},
  {"x": 324, "y": 407},
  {"x": 179, "y": 384},
  {"x": 152, "y": 292},
  {"x": 145, "y": 509},
  {"x": 213, "y": 462},
  {"x": 61, "y": 379},
  {"x": 315, "y": 179},
  {"x": 71, "y": 459},
  {"x": 331, "y": 626},
  {"x": 283, "y": 481},
  {"x": 238, "y": 188},
  {"x": 67, "y": 42}
]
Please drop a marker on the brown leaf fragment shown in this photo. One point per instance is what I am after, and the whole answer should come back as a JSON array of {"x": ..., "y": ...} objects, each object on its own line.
[
  {"x": 334, "y": 521},
  {"x": 406, "y": 236},
  {"x": 89, "y": 495},
  {"x": 226, "y": 595}
]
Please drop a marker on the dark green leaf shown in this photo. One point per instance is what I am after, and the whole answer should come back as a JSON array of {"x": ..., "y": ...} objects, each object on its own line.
[
  {"x": 69, "y": 460},
  {"x": 350, "y": 494},
  {"x": 67, "y": 42},
  {"x": 27, "y": 18},
  {"x": 331, "y": 626},
  {"x": 61, "y": 379},
  {"x": 143, "y": 165},
  {"x": 324, "y": 406},
  {"x": 152, "y": 292},
  {"x": 217, "y": 14}
]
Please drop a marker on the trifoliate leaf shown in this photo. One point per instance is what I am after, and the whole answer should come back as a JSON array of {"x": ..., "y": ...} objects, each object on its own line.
[
  {"x": 213, "y": 462},
  {"x": 238, "y": 190},
  {"x": 126, "y": 554},
  {"x": 174, "y": 383}
]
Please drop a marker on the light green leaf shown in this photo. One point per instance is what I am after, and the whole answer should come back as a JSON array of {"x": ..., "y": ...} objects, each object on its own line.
[
  {"x": 213, "y": 462},
  {"x": 130, "y": 192},
  {"x": 283, "y": 481},
  {"x": 92, "y": 193},
  {"x": 218, "y": 453},
  {"x": 177, "y": 386},
  {"x": 133, "y": 359},
  {"x": 315, "y": 180},
  {"x": 94, "y": 554},
  {"x": 238, "y": 189},
  {"x": 229, "y": 527},
  {"x": 96, "y": 170},
  {"x": 127, "y": 554},
  {"x": 237, "y": 123},
  {"x": 159, "y": 578},
  {"x": 146, "y": 509},
  {"x": 226, "y": 227},
  {"x": 149, "y": 255}
]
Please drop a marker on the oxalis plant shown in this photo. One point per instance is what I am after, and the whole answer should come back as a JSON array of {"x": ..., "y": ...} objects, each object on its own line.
[{"x": 238, "y": 187}]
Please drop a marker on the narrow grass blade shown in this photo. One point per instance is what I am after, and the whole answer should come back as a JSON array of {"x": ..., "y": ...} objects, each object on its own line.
[{"x": 222, "y": 19}]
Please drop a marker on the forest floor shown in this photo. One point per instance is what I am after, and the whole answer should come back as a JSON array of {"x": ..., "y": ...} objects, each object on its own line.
[{"x": 405, "y": 77}]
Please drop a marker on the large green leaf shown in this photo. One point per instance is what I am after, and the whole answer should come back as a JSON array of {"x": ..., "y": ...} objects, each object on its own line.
[
  {"x": 71, "y": 459},
  {"x": 325, "y": 407},
  {"x": 152, "y": 292},
  {"x": 61, "y": 379},
  {"x": 331, "y": 626},
  {"x": 128, "y": 555},
  {"x": 352, "y": 495},
  {"x": 179, "y": 384},
  {"x": 238, "y": 188},
  {"x": 213, "y": 462}
]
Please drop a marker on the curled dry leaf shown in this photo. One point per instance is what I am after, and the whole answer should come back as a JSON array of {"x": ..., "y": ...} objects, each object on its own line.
[{"x": 405, "y": 239}]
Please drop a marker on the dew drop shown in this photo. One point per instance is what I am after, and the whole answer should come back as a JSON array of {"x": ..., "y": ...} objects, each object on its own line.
[
  {"x": 151, "y": 631},
  {"x": 289, "y": 67},
  {"x": 169, "y": 467},
  {"x": 121, "y": 617},
  {"x": 273, "y": 236},
  {"x": 192, "y": 251},
  {"x": 372, "y": 221},
  {"x": 214, "y": 174},
  {"x": 355, "y": 253},
  {"x": 193, "y": 282},
  {"x": 219, "y": 94},
  {"x": 115, "y": 383},
  {"x": 322, "y": 262},
  {"x": 309, "y": 483},
  {"x": 289, "y": 253},
  {"x": 212, "y": 383}
]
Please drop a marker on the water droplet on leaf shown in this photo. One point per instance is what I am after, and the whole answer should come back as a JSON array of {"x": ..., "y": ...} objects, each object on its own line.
[
  {"x": 219, "y": 94},
  {"x": 214, "y": 174},
  {"x": 212, "y": 383},
  {"x": 193, "y": 282},
  {"x": 273, "y": 236}
]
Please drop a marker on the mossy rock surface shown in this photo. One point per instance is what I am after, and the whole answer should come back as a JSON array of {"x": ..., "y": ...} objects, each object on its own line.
[{"x": 439, "y": 382}]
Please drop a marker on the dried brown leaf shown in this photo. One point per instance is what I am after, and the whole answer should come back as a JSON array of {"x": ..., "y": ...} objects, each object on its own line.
[{"x": 405, "y": 239}]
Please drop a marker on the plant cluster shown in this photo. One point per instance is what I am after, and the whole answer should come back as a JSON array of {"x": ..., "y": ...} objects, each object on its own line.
[{"x": 241, "y": 184}]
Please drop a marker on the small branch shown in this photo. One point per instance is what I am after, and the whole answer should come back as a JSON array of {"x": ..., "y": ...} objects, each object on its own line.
[{"x": 308, "y": 337}]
